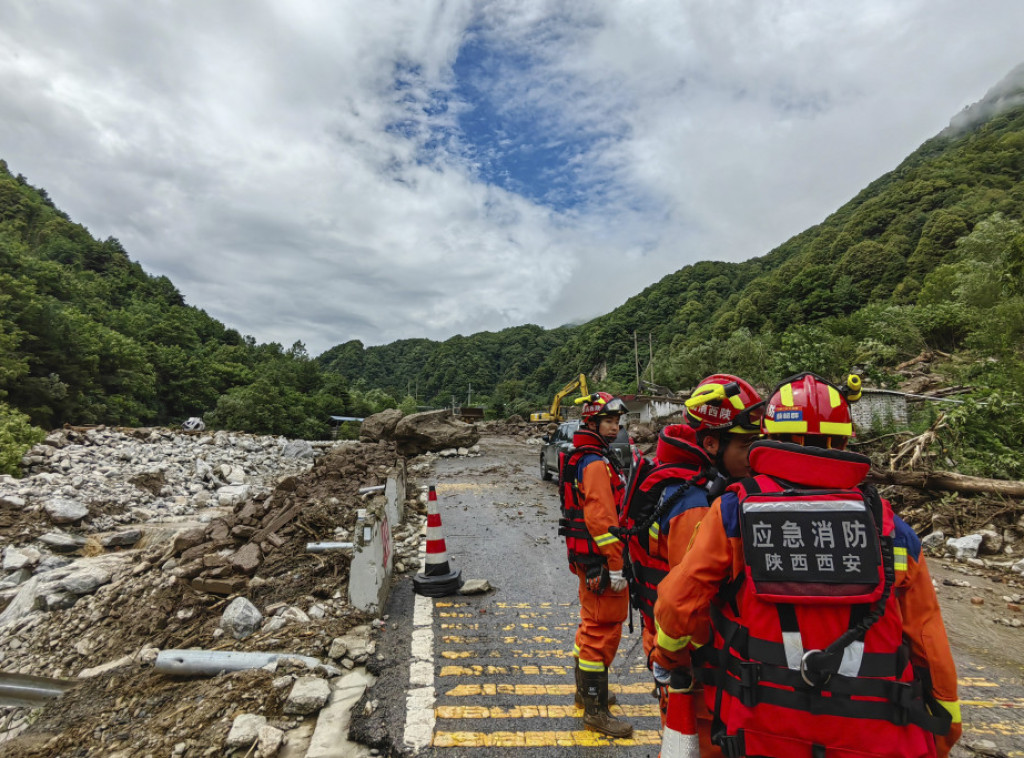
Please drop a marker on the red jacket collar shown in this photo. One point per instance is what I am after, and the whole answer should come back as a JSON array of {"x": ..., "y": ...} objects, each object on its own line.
[
  {"x": 809, "y": 466},
  {"x": 584, "y": 437},
  {"x": 678, "y": 444}
]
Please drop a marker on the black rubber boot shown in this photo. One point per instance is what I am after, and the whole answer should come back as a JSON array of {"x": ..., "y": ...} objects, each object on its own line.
[
  {"x": 596, "y": 716},
  {"x": 612, "y": 700}
]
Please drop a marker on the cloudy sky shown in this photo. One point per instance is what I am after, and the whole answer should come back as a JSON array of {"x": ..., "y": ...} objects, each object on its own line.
[{"x": 326, "y": 170}]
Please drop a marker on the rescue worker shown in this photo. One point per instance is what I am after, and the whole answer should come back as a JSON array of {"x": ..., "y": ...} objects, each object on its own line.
[
  {"x": 825, "y": 635},
  {"x": 591, "y": 489},
  {"x": 696, "y": 459}
]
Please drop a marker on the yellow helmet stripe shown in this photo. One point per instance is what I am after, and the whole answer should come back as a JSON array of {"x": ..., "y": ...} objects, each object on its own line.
[
  {"x": 831, "y": 427},
  {"x": 786, "y": 391},
  {"x": 833, "y": 397},
  {"x": 785, "y": 427}
]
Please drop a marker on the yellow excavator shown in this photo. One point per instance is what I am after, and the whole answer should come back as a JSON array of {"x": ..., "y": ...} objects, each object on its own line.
[{"x": 555, "y": 412}]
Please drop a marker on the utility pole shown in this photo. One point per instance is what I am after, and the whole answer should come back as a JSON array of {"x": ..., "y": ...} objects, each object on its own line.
[
  {"x": 469, "y": 398},
  {"x": 650, "y": 346},
  {"x": 636, "y": 362}
]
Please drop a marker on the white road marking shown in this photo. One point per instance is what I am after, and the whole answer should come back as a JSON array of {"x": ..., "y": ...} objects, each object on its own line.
[{"x": 419, "y": 701}]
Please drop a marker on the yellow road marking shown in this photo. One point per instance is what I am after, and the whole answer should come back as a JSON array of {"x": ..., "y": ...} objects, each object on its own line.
[
  {"x": 479, "y": 670},
  {"x": 533, "y": 690},
  {"x": 463, "y": 487},
  {"x": 537, "y": 711},
  {"x": 580, "y": 738},
  {"x": 455, "y": 639},
  {"x": 457, "y": 615},
  {"x": 997, "y": 703},
  {"x": 539, "y": 628},
  {"x": 460, "y": 626},
  {"x": 975, "y": 681},
  {"x": 449, "y": 604},
  {"x": 508, "y": 653}
]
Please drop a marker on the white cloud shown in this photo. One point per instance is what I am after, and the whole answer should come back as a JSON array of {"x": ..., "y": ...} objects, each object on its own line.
[{"x": 259, "y": 154}]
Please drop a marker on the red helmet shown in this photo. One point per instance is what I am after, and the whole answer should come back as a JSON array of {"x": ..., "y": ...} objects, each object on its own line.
[
  {"x": 723, "y": 402},
  {"x": 807, "y": 404},
  {"x": 601, "y": 404}
]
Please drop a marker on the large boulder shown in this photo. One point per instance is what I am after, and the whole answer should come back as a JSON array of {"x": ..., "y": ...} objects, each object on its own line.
[
  {"x": 431, "y": 431},
  {"x": 380, "y": 426}
]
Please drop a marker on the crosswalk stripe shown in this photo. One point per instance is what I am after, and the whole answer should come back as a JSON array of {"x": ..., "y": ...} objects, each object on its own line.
[
  {"x": 481, "y": 670},
  {"x": 579, "y": 738},
  {"x": 455, "y": 654},
  {"x": 537, "y": 711},
  {"x": 561, "y": 690}
]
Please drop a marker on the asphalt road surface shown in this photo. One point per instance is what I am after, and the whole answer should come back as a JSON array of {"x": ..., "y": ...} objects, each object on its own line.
[{"x": 492, "y": 675}]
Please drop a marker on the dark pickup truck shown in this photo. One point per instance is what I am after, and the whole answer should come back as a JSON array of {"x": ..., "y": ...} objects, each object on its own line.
[{"x": 561, "y": 440}]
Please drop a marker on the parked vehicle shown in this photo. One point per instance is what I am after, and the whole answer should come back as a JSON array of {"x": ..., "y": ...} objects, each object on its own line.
[{"x": 561, "y": 441}]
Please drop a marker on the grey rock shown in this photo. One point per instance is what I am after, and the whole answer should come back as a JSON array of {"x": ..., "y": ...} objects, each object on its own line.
[
  {"x": 298, "y": 449},
  {"x": 269, "y": 741},
  {"x": 965, "y": 547},
  {"x": 20, "y": 557},
  {"x": 433, "y": 430},
  {"x": 85, "y": 581},
  {"x": 244, "y": 731},
  {"x": 51, "y": 563},
  {"x": 475, "y": 587},
  {"x": 122, "y": 539},
  {"x": 23, "y": 603},
  {"x": 380, "y": 426},
  {"x": 62, "y": 510},
  {"x": 59, "y": 542},
  {"x": 241, "y": 619},
  {"x": 54, "y": 600},
  {"x": 991, "y": 542},
  {"x": 308, "y": 695},
  {"x": 15, "y": 578},
  {"x": 934, "y": 542},
  {"x": 233, "y": 494}
]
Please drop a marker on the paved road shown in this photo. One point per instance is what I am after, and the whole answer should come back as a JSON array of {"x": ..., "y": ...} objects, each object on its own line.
[{"x": 498, "y": 677}]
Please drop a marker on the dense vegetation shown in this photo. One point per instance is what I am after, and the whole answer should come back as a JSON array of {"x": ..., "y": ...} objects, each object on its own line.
[
  {"x": 929, "y": 256},
  {"x": 87, "y": 337}
]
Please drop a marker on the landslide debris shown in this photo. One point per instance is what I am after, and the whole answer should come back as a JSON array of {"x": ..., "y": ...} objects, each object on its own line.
[{"x": 170, "y": 593}]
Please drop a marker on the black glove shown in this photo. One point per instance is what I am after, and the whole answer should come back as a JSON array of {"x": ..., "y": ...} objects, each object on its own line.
[{"x": 598, "y": 579}]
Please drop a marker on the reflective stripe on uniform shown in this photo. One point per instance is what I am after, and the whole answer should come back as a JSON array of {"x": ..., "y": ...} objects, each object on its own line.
[
  {"x": 671, "y": 643},
  {"x": 586, "y": 665},
  {"x": 953, "y": 707},
  {"x": 900, "y": 554},
  {"x": 606, "y": 539}
]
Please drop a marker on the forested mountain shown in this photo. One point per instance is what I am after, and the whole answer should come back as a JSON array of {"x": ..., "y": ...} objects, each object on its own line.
[
  {"x": 929, "y": 255},
  {"x": 87, "y": 337}
]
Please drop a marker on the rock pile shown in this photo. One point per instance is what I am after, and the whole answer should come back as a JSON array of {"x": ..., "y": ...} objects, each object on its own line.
[
  {"x": 418, "y": 433},
  {"x": 101, "y": 610}
]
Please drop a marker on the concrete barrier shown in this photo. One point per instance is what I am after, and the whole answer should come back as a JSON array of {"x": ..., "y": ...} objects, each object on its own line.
[{"x": 373, "y": 549}]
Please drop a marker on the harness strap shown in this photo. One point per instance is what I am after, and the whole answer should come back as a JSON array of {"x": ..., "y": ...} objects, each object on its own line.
[
  {"x": 876, "y": 665},
  {"x": 903, "y": 702}
]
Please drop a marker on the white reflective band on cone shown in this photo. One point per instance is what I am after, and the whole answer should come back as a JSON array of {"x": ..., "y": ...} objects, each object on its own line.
[
  {"x": 677, "y": 745},
  {"x": 680, "y": 739}
]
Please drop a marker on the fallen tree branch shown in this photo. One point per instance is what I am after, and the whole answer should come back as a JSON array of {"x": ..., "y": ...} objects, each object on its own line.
[{"x": 948, "y": 481}]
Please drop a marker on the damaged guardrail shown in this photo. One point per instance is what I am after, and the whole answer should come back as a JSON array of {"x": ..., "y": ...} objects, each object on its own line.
[
  {"x": 212, "y": 662},
  {"x": 25, "y": 691}
]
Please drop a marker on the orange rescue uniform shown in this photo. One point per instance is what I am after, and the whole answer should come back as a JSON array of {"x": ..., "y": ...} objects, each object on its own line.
[{"x": 601, "y": 615}]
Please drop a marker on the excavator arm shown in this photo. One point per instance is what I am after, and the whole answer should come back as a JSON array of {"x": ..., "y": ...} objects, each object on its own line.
[{"x": 555, "y": 413}]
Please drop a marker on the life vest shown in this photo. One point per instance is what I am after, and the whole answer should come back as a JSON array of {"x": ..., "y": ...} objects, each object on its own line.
[
  {"x": 808, "y": 656},
  {"x": 679, "y": 465},
  {"x": 580, "y": 547}
]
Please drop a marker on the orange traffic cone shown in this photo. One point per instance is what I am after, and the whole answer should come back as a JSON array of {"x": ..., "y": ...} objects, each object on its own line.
[
  {"x": 679, "y": 739},
  {"x": 437, "y": 578}
]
